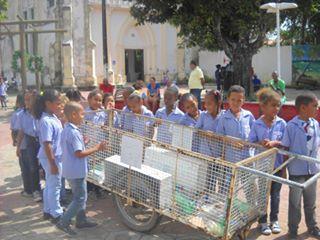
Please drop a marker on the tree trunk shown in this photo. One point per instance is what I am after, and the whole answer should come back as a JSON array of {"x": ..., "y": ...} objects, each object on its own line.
[{"x": 242, "y": 63}]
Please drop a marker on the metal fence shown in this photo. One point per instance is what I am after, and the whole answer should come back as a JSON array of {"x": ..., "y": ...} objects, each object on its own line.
[{"x": 183, "y": 173}]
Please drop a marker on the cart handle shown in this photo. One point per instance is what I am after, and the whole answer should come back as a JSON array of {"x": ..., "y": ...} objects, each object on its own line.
[
  {"x": 288, "y": 182},
  {"x": 280, "y": 179}
]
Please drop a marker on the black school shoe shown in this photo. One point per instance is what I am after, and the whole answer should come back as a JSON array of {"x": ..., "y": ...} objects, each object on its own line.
[
  {"x": 293, "y": 235},
  {"x": 55, "y": 220},
  {"x": 315, "y": 232},
  {"x": 46, "y": 216},
  {"x": 66, "y": 228},
  {"x": 86, "y": 224}
]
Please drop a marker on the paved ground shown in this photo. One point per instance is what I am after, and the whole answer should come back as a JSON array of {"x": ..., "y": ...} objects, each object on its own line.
[{"x": 20, "y": 218}]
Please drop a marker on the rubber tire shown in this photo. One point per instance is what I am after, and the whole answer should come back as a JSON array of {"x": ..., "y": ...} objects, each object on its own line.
[{"x": 154, "y": 221}]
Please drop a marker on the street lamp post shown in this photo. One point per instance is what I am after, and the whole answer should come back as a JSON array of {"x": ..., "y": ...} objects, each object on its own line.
[{"x": 276, "y": 7}]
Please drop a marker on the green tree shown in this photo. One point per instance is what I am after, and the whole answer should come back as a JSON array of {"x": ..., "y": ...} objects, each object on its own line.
[
  {"x": 302, "y": 25},
  {"x": 3, "y": 9},
  {"x": 238, "y": 27}
]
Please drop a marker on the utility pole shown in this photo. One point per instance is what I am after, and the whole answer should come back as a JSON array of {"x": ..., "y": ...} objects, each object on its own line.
[
  {"x": 104, "y": 38},
  {"x": 22, "y": 33}
]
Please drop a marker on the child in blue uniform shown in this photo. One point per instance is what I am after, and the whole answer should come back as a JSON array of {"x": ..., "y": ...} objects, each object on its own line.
[
  {"x": 302, "y": 137},
  {"x": 236, "y": 122},
  {"x": 170, "y": 112},
  {"x": 50, "y": 128},
  {"x": 268, "y": 130},
  {"x": 208, "y": 121},
  {"x": 29, "y": 133},
  {"x": 95, "y": 113},
  {"x": 135, "y": 124},
  {"x": 3, "y": 94},
  {"x": 190, "y": 105},
  {"x": 75, "y": 167},
  {"x": 109, "y": 103},
  {"x": 14, "y": 118}
]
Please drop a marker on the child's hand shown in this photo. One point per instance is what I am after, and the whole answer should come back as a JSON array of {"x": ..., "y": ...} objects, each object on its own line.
[
  {"x": 86, "y": 140},
  {"x": 272, "y": 144},
  {"x": 157, "y": 122},
  {"x": 102, "y": 146},
  {"x": 54, "y": 169}
]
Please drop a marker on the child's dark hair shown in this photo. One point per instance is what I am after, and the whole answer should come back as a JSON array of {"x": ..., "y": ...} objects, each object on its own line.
[
  {"x": 236, "y": 89},
  {"x": 174, "y": 90},
  {"x": 105, "y": 96},
  {"x": 94, "y": 93},
  {"x": 20, "y": 100},
  {"x": 304, "y": 99},
  {"x": 39, "y": 107},
  {"x": 188, "y": 96},
  {"x": 74, "y": 95},
  {"x": 134, "y": 96},
  {"x": 217, "y": 97},
  {"x": 266, "y": 95}
]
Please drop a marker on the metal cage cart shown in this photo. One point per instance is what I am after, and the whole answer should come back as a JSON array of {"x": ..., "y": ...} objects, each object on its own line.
[{"x": 218, "y": 184}]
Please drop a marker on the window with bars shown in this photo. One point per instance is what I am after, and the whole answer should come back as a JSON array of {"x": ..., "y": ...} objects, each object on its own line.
[{"x": 50, "y": 3}]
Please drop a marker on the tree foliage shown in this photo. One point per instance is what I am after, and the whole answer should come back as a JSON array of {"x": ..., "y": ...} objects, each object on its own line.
[
  {"x": 3, "y": 9},
  {"x": 238, "y": 27},
  {"x": 302, "y": 25}
]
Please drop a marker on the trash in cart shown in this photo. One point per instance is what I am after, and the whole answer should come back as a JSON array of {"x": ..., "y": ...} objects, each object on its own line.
[{"x": 218, "y": 184}]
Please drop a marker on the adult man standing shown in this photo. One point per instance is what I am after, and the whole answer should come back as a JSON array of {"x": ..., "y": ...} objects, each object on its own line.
[
  {"x": 218, "y": 74},
  {"x": 278, "y": 85},
  {"x": 196, "y": 81}
]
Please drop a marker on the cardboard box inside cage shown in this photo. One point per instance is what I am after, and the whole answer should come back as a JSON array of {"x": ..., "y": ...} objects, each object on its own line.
[
  {"x": 147, "y": 185},
  {"x": 191, "y": 172}
]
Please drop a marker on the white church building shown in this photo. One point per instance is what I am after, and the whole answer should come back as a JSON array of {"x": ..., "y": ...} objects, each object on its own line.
[{"x": 76, "y": 57}]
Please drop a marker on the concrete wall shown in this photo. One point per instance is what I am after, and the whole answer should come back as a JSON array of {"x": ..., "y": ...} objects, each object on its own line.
[{"x": 264, "y": 62}]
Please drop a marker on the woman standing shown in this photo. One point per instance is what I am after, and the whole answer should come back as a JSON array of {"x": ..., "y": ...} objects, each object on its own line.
[{"x": 153, "y": 95}]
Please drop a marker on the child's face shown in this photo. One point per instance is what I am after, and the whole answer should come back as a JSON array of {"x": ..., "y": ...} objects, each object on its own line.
[
  {"x": 77, "y": 117},
  {"x": 271, "y": 108},
  {"x": 135, "y": 106},
  {"x": 95, "y": 102},
  {"x": 236, "y": 101},
  {"x": 310, "y": 110},
  {"x": 169, "y": 99},
  {"x": 191, "y": 107},
  {"x": 109, "y": 103},
  {"x": 211, "y": 105},
  {"x": 55, "y": 106}
]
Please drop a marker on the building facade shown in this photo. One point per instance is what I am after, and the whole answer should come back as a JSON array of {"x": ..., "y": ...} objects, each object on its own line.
[{"x": 75, "y": 58}]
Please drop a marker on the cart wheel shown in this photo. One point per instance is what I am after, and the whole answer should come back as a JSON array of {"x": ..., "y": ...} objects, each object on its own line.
[{"x": 135, "y": 216}]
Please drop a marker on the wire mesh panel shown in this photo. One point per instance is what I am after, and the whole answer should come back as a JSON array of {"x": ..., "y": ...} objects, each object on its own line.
[{"x": 187, "y": 174}]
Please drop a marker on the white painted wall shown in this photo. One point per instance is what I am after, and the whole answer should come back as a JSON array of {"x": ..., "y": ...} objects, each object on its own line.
[{"x": 264, "y": 62}]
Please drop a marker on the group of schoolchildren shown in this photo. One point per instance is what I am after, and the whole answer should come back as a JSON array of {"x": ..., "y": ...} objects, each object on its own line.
[{"x": 41, "y": 122}]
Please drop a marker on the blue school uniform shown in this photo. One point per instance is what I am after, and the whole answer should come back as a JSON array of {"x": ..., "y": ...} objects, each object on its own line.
[
  {"x": 72, "y": 141},
  {"x": 14, "y": 119},
  {"x": 97, "y": 117},
  {"x": 188, "y": 121},
  {"x": 138, "y": 125},
  {"x": 229, "y": 125},
  {"x": 175, "y": 116},
  {"x": 207, "y": 123},
  {"x": 50, "y": 129},
  {"x": 260, "y": 131},
  {"x": 3, "y": 89},
  {"x": 296, "y": 139}
]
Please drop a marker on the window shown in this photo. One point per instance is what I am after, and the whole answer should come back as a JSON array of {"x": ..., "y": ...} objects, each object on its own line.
[
  {"x": 25, "y": 15},
  {"x": 50, "y": 3},
  {"x": 32, "y": 13}
]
